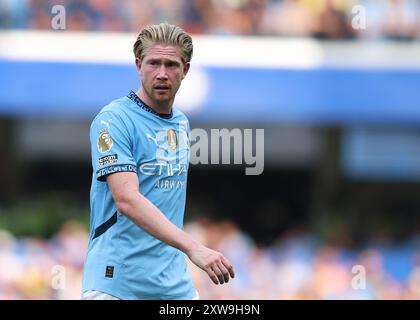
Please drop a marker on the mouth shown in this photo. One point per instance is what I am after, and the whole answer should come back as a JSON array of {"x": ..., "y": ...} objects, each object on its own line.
[{"x": 161, "y": 87}]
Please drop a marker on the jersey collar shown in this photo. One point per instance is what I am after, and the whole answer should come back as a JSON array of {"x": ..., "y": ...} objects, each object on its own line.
[{"x": 133, "y": 97}]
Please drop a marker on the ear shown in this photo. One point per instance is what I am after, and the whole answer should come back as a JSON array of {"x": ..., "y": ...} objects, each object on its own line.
[
  {"x": 138, "y": 64},
  {"x": 186, "y": 68}
]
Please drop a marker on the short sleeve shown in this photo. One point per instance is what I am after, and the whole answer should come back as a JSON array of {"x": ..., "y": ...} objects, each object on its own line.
[{"x": 111, "y": 146}]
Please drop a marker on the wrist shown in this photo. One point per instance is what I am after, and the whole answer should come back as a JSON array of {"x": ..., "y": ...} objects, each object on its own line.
[{"x": 189, "y": 245}]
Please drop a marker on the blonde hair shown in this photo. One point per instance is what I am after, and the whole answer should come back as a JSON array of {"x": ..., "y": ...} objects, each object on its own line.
[{"x": 163, "y": 33}]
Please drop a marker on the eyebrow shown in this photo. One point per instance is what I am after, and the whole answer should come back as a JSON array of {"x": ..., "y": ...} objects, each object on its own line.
[{"x": 164, "y": 60}]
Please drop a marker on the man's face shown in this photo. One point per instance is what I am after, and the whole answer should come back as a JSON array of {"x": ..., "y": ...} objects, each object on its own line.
[{"x": 162, "y": 71}]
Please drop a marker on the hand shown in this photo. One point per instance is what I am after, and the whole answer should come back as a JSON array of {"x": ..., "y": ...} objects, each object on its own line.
[{"x": 214, "y": 263}]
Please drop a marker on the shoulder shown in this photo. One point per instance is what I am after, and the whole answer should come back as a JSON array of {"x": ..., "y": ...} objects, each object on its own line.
[
  {"x": 116, "y": 110},
  {"x": 118, "y": 106},
  {"x": 178, "y": 115}
]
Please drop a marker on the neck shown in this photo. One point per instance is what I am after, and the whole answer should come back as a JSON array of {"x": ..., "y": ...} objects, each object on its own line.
[{"x": 163, "y": 107}]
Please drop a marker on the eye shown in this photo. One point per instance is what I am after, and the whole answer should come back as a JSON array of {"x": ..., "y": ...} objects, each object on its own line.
[{"x": 172, "y": 64}]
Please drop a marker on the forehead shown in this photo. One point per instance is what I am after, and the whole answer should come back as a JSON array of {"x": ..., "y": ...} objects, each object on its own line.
[{"x": 163, "y": 51}]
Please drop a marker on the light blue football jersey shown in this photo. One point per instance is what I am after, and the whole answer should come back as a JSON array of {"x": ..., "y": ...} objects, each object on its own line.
[{"x": 123, "y": 260}]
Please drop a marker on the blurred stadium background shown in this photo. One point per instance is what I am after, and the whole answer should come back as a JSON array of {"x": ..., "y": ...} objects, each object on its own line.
[{"x": 341, "y": 111}]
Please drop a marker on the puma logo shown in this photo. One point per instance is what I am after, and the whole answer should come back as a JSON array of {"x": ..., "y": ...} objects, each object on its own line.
[
  {"x": 151, "y": 138},
  {"x": 106, "y": 122}
]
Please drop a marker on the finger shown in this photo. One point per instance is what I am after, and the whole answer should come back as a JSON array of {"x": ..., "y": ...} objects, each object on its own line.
[
  {"x": 218, "y": 273},
  {"x": 228, "y": 266},
  {"x": 224, "y": 271},
  {"x": 231, "y": 272},
  {"x": 211, "y": 274}
]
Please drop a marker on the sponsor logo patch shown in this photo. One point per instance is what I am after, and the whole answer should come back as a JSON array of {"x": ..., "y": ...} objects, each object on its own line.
[
  {"x": 109, "y": 271},
  {"x": 113, "y": 158}
]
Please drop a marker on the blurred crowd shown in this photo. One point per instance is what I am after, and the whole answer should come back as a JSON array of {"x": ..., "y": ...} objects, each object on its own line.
[
  {"x": 297, "y": 266},
  {"x": 330, "y": 19}
]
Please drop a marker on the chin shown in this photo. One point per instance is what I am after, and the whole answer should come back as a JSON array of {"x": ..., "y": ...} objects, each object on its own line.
[{"x": 162, "y": 98}]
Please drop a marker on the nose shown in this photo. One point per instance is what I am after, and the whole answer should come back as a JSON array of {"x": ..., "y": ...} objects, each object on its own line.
[{"x": 162, "y": 75}]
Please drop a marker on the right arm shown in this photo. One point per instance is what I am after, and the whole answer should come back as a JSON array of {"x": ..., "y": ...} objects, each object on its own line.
[{"x": 130, "y": 202}]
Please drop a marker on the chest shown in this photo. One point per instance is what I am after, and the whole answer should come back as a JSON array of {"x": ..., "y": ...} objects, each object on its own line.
[{"x": 160, "y": 146}]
